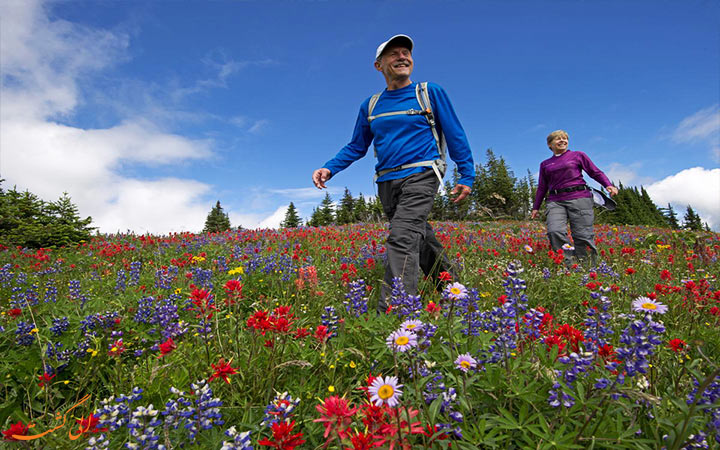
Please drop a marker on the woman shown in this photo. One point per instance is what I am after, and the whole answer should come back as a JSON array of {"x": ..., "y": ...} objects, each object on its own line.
[{"x": 569, "y": 198}]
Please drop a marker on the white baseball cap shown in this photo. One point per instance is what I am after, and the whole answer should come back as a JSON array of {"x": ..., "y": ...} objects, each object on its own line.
[{"x": 401, "y": 39}]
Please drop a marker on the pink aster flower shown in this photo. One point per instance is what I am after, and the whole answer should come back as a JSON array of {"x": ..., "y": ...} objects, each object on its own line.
[
  {"x": 456, "y": 291},
  {"x": 528, "y": 248},
  {"x": 646, "y": 304},
  {"x": 385, "y": 391},
  {"x": 402, "y": 340},
  {"x": 465, "y": 362}
]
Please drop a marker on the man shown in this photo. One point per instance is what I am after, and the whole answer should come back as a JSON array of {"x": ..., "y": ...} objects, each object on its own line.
[{"x": 409, "y": 145}]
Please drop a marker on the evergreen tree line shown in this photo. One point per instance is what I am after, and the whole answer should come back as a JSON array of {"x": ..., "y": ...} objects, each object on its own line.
[
  {"x": 28, "y": 221},
  {"x": 497, "y": 193}
]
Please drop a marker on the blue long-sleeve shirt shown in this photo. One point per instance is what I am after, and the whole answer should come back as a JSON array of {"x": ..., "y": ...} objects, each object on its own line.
[{"x": 404, "y": 139}]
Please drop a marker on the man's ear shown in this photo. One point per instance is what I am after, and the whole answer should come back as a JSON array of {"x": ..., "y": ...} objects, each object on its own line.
[{"x": 378, "y": 66}]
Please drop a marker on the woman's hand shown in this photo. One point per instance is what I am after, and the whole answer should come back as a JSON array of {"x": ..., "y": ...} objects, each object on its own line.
[{"x": 612, "y": 190}]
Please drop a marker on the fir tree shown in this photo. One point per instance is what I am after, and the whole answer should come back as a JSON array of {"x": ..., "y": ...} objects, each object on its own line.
[
  {"x": 326, "y": 211},
  {"x": 28, "y": 221},
  {"x": 345, "y": 212},
  {"x": 217, "y": 220},
  {"x": 692, "y": 220},
  {"x": 360, "y": 211},
  {"x": 671, "y": 217},
  {"x": 292, "y": 219}
]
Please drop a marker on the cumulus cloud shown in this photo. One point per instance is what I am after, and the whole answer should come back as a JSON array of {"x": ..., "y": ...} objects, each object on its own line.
[
  {"x": 627, "y": 174},
  {"x": 697, "y": 187},
  {"x": 252, "y": 220},
  {"x": 45, "y": 60}
]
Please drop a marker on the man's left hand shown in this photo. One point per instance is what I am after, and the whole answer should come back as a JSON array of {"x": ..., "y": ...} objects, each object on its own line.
[{"x": 461, "y": 191}]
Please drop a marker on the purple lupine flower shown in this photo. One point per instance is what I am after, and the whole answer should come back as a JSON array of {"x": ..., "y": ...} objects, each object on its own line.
[
  {"x": 280, "y": 409},
  {"x": 59, "y": 326},
  {"x": 356, "y": 300},
  {"x": 402, "y": 303}
]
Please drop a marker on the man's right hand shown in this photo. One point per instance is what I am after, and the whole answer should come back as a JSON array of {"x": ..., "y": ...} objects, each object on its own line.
[
  {"x": 534, "y": 213},
  {"x": 319, "y": 177}
]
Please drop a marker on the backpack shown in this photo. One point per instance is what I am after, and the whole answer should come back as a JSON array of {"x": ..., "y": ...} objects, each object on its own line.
[{"x": 437, "y": 165}]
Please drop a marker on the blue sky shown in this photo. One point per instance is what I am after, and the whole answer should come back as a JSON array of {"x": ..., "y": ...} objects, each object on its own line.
[{"x": 146, "y": 113}]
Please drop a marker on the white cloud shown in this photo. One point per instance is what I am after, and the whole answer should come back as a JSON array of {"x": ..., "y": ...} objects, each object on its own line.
[
  {"x": 253, "y": 221},
  {"x": 702, "y": 125},
  {"x": 44, "y": 62},
  {"x": 627, "y": 174},
  {"x": 697, "y": 187}
]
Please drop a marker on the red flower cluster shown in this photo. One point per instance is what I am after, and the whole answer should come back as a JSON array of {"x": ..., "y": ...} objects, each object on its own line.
[
  {"x": 677, "y": 345},
  {"x": 90, "y": 424},
  {"x": 563, "y": 336},
  {"x": 166, "y": 347},
  {"x": 44, "y": 378},
  {"x": 222, "y": 370},
  {"x": 384, "y": 426},
  {"x": 280, "y": 320},
  {"x": 15, "y": 429},
  {"x": 233, "y": 289},
  {"x": 204, "y": 303},
  {"x": 282, "y": 437}
]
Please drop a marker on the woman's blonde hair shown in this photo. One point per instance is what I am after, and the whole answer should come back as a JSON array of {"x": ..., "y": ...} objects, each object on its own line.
[{"x": 551, "y": 137}]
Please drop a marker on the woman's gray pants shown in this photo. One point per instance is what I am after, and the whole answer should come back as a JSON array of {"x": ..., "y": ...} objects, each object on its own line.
[
  {"x": 579, "y": 212},
  {"x": 411, "y": 245}
]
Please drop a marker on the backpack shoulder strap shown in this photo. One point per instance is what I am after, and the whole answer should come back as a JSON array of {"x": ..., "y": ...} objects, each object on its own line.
[
  {"x": 371, "y": 105},
  {"x": 423, "y": 98}
]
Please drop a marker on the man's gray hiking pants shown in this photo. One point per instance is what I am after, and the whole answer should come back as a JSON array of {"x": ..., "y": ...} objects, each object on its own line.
[
  {"x": 579, "y": 212},
  {"x": 411, "y": 245}
]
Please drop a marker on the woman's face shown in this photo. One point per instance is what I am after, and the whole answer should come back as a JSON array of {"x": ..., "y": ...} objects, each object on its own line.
[{"x": 559, "y": 145}]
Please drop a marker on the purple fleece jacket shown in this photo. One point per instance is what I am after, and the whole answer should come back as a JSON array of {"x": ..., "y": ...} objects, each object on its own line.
[{"x": 558, "y": 172}]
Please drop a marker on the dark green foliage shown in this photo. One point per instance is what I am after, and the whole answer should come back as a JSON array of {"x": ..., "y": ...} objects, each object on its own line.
[
  {"x": 345, "y": 213},
  {"x": 691, "y": 220},
  {"x": 360, "y": 210},
  {"x": 292, "y": 219},
  {"x": 217, "y": 220},
  {"x": 670, "y": 217},
  {"x": 494, "y": 191},
  {"x": 28, "y": 221},
  {"x": 324, "y": 214},
  {"x": 634, "y": 207}
]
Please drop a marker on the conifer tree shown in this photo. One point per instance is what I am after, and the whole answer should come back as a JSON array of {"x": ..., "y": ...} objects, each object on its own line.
[
  {"x": 28, "y": 221},
  {"x": 692, "y": 220},
  {"x": 217, "y": 220},
  {"x": 671, "y": 217},
  {"x": 292, "y": 219},
  {"x": 360, "y": 211},
  {"x": 375, "y": 210},
  {"x": 326, "y": 211},
  {"x": 345, "y": 212}
]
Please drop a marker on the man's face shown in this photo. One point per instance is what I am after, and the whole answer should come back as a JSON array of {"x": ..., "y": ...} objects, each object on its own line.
[
  {"x": 395, "y": 63},
  {"x": 559, "y": 144}
]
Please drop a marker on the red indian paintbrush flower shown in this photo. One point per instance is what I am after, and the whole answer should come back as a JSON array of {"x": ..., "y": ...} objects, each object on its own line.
[
  {"x": 282, "y": 439},
  {"x": 90, "y": 424},
  {"x": 15, "y": 429},
  {"x": 677, "y": 345},
  {"x": 336, "y": 416},
  {"x": 222, "y": 370},
  {"x": 44, "y": 378},
  {"x": 166, "y": 347}
]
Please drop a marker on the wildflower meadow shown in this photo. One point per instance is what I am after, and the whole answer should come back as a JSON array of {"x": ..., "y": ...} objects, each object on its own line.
[{"x": 272, "y": 339}]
